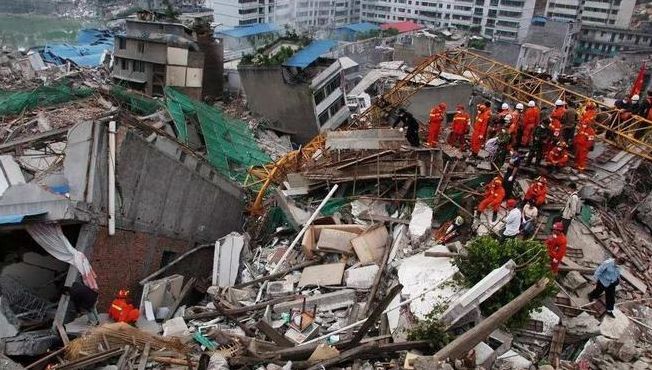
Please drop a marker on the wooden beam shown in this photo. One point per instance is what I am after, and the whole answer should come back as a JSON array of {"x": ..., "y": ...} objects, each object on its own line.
[
  {"x": 378, "y": 310},
  {"x": 272, "y": 334},
  {"x": 182, "y": 295}
]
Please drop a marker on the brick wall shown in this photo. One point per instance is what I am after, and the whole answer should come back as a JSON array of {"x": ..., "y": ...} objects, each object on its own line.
[{"x": 122, "y": 260}]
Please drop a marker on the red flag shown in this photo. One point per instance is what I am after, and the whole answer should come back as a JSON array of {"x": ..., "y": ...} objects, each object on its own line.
[{"x": 638, "y": 83}]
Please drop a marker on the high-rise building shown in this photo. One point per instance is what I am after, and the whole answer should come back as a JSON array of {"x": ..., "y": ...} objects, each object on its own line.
[
  {"x": 326, "y": 13},
  {"x": 612, "y": 13},
  {"x": 498, "y": 19}
]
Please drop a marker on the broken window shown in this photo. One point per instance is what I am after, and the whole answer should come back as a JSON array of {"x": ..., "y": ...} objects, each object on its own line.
[{"x": 122, "y": 43}]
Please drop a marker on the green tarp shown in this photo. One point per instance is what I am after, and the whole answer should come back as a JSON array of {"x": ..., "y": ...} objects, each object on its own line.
[{"x": 15, "y": 102}]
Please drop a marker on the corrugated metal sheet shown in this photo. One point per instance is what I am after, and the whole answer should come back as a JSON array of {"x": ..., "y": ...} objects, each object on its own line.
[
  {"x": 360, "y": 27},
  {"x": 252, "y": 30},
  {"x": 304, "y": 57},
  {"x": 402, "y": 27},
  {"x": 92, "y": 44}
]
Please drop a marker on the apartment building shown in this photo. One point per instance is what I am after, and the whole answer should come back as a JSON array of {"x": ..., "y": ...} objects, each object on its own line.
[
  {"x": 611, "y": 13},
  {"x": 234, "y": 13},
  {"x": 326, "y": 13},
  {"x": 605, "y": 42},
  {"x": 497, "y": 19}
]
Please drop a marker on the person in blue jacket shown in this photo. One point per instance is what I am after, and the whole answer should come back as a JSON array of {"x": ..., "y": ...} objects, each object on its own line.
[{"x": 607, "y": 277}]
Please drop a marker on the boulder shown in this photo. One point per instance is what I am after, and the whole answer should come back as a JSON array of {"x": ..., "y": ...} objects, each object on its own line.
[{"x": 573, "y": 280}]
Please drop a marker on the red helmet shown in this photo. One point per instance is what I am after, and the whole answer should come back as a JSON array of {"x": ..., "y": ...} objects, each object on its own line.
[
  {"x": 511, "y": 203},
  {"x": 558, "y": 226},
  {"x": 123, "y": 293}
]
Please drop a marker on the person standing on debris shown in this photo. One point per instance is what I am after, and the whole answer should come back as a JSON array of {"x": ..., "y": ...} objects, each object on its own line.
[
  {"x": 510, "y": 174},
  {"x": 607, "y": 278},
  {"x": 556, "y": 245},
  {"x": 460, "y": 126},
  {"x": 512, "y": 221},
  {"x": 572, "y": 207},
  {"x": 516, "y": 126},
  {"x": 493, "y": 196},
  {"x": 583, "y": 144},
  {"x": 504, "y": 139},
  {"x": 569, "y": 122},
  {"x": 537, "y": 191},
  {"x": 411, "y": 124},
  {"x": 85, "y": 301},
  {"x": 434, "y": 126},
  {"x": 539, "y": 143},
  {"x": 557, "y": 157},
  {"x": 530, "y": 215},
  {"x": 480, "y": 127},
  {"x": 588, "y": 117},
  {"x": 645, "y": 109},
  {"x": 497, "y": 121},
  {"x": 530, "y": 120},
  {"x": 556, "y": 121}
]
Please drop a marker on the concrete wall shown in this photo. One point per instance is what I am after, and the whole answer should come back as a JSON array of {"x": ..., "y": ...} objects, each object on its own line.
[
  {"x": 289, "y": 107},
  {"x": 154, "y": 52},
  {"x": 213, "y": 80},
  {"x": 421, "y": 102},
  {"x": 137, "y": 28}
]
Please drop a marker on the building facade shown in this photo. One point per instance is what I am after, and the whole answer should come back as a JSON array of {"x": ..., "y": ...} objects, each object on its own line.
[
  {"x": 326, "y": 13},
  {"x": 605, "y": 42},
  {"x": 498, "y": 19},
  {"x": 612, "y": 13}
]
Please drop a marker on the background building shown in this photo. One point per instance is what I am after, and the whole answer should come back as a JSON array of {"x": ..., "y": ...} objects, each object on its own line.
[
  {"x": 606, "y": 42},
  {"x": 614, "y": 13}
]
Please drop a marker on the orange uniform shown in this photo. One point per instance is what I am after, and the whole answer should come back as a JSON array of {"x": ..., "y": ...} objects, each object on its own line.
[
  {"x": 557, "y": 115},
  {"x": 588, "y": 118},
  {"x": 459, "y": 128},
  {"x": 556, "y": 245},
  {"x": 493, "y": 195},
  {"x": 434, "y": 126},
  {"x": 583, "y": 143},
  {"x": 537, "y": 193},
  {"x": 557, "y": 156},
  {"x": 123, "y": 311},
  {"x": 530, "y": 121},
  {"x": 480, "y": 129}
]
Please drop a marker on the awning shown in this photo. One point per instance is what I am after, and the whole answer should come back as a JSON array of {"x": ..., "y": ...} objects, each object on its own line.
[{"x": 18, "y": 218}]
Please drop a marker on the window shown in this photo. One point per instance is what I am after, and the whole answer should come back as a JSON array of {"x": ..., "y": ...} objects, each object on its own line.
[
  {"x": 141, "y": 47},
  {"x": 139, "y": 66},
  {"x": 123, "y": 64},
  {"x": 122, "y": 43}
]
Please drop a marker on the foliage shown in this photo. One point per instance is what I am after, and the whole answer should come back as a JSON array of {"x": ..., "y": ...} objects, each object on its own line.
[
  {"x": 477, "y": 43},
  {"x": 485, "y": 254},
  {"x": 431, "y": 329},
  {"x": 261, "y": 59}
]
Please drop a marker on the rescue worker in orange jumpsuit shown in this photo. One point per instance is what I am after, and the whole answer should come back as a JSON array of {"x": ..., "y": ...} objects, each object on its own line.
[
  {"x": 584, "y": 140},
  {"x": 516, "y": 126},
  {"x": 460, "y": 125},
  {"x": 556, "y": 118},
  {"x": 537, "y": 191},
  {"x": 123, "y": 311},
  {"x": 557, "y": 157},
  {"x": 494, "y": 194},
  {"x": 530, "y": 120},
  {"x": 556, "y": 245},
  {"x": 588, "y": 117},
  {"x": 437, "y": 114},
  {"x": 480, "y": 127}
]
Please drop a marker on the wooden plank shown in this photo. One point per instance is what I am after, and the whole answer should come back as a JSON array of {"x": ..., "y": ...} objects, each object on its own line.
[
  {"x": 328, "y": 274},
  {"x": 275, "y": 336},
  {"x": 142, "y": 363},
  {"x": 182, "y": 295},
  {"x": 62, "y": 333},
  {"x": 557, "y": 345}
]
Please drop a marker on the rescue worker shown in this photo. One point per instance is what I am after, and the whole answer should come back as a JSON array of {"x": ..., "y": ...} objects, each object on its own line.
[
  {"x": 569, "y": 122},
  {"x": 557, "y": 157},
  {"x": 636, "y": 104},
  {"x": 530, "y": 121},
  {"x": 480, "y": 127},
  {"x": 123, "y": 311},
  {"x": 493, "y": 197},
  {"x": 645, "y": 108},
  {"x": 588, "y": 117},
  {"x": 460, "y": 125},
  {"x": 583, "y": 144},
  {"x": 556, "y": 245},
  {"x": 408, "y": 121},
  {"x": 537, "y": 191},
  {"x": 497, "y": 121},
  {"x": 556, "y": 119},
  {"x": 437, "y": 114},
  {"x": 539, "y": 142},
  {"x": 516, "y": 126},
  {"x": 504, "y": 139}
]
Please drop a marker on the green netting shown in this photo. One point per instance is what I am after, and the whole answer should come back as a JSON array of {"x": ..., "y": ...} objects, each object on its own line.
[
  {"x": 137, "y": 103},
  {"x": 333, "y": 205},
  {"x": 231, "y": 146},
  {"x": 15, "y": 102}
]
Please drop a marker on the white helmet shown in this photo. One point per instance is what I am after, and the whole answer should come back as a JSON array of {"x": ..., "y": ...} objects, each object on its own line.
[
  {"x": 504, "y": 106},
  {"x": 636, "y": 98},
  {"x": 559, "y": 102},
  {"x": 508, "y": 118},
  {"x": 519, "y": 106},
  {"x": 531, "y": 103}
]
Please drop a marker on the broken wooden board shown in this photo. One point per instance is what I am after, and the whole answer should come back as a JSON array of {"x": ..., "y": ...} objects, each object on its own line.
[
  {"x": 335, "y": 241},
  {"x": 329, "y": 274},
  {"x": 311, "y": 236},
  {"x": 370, "y": 245},
  {"x": 636, "y": 282}
]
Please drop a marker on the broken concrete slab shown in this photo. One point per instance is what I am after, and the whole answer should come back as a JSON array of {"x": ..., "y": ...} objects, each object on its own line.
[
  {"x": 420, "y": 223},
  {"x": 370, "y": 245},
  {"x": 547, "y": 317},
  {"x": 161, "y": 293},
  {"x": 226, "y": 259},
  {"x": 382, "y": 138},
  {"x": 361, "y": 277},
  {"x": 175, "y": 327},
  {"x": 513, "y": 360},
  {"x": 280, "y": 288},
  {"x": 619, "y": 327},
  {"x": 312, "y": 235},
  {"x": 328, "y": 274},
  {"x": 335, "y": 241},
  {"x": 324, "y": 302},
  {"x": 583, "y": 324},
  {"x": 573, "y": 280}
]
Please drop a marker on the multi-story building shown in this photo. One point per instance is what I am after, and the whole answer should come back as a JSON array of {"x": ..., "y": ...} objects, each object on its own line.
[
  {"x": 612, "y": 13},
  {"x": 233, "y": 13},
  {"x": 605, "y": 42},
  {"x": 497, "y": 19},
  {"x": 326, "y": 13}
]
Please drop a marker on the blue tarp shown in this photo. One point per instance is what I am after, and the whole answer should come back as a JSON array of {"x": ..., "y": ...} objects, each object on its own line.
[
  {"x": 304, "y": 57},
  {"x": 360, "y": 27},
  {"x": 252, "y": 30},
  {"x": 91, "y": 45}
]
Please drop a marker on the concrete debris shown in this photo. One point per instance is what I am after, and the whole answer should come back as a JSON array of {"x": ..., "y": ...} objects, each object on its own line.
[
  {"x": 361, "y": 277},
  {"x": 583, "y": 324},
  {"x": 420, "y": 223}
]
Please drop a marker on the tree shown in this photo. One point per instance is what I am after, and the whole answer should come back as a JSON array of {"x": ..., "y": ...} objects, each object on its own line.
[{"x": 484, "y": 254}]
